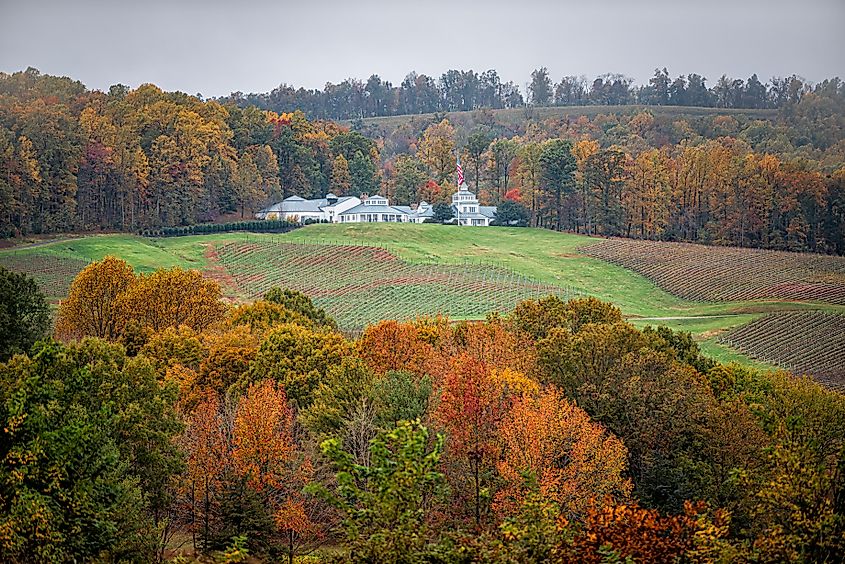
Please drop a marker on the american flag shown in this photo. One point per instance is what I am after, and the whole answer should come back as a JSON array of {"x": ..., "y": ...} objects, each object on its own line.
[{"x": 460, "y": 171}]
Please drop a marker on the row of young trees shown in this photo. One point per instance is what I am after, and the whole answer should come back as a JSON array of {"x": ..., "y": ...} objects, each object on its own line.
[
  {"x": 457, "y": 90},
  {"x": 559, "y": 432}
]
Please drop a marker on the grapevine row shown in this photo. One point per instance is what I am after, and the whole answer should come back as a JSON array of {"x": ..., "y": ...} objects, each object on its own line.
[
  {"x": 704, "y": 273},
  {"x": 811, "y": 342},
  {"x": 360, "y": 285}
]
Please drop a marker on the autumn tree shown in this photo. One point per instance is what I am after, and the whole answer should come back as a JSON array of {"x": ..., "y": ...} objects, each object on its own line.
[
  {"x": 94, "y": 305},
  {"x": 298, "y": 358},
  {"x": 501, "y": 154},
  {"x": 529, "y": 173},
  {"x": 248, "y": 185},
  {"x": 227, "y": 358},
  {"x": 574, "y": 460},
  {"x": 558, "y": 169},
  {"x": 346, "y": 387},
  {"x": 582, "y": 150},
  {"x": 477, "y": 145},
  {"x": 634, "y": 533},
  {"x": 88, "y": 456},
  {"x": 437, "y": 151},
  {"x": 169, "y": 298},
  {"x": 401, "y": 396},
  {"x": 470, "y": 409},
  {"x": 604, "y": 176},
  {"x": 301, "y": 304},
  {"x": 264, "y": 453},
  {"x": 261, "y": 316},
  {"x": 540, "y": 88},
  {"x": 207, "y": 453},
  {"x": 538, "y": 317},
  {"x": 386, "y": 504},
  {"x": 341, "y": 181},
  {"x": 409, "y": 179},
  {"x": 393, "y": 345},
  {"x": 647, "y": 198}
]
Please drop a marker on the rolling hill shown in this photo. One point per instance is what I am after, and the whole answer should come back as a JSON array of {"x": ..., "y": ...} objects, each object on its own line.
[{"x": 361, "y": 273}]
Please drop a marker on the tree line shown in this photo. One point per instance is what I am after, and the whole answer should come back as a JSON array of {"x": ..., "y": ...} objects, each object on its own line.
[
  {"x": 459, "y": 90},
  {"x": 165, "y": 423},
  {"x": 74, "y": 159}
]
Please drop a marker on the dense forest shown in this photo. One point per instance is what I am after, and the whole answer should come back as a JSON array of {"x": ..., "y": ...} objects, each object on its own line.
[
  {"x": 74, "y": 159},
  {"x": 166, "y": 423},
  {"x": 458, "y": 90}
]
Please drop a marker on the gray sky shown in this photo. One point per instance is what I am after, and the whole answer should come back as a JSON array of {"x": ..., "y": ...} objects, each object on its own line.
[{"x": 215, "y": 47}]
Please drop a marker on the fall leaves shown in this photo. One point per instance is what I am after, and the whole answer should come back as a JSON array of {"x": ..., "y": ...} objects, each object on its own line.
[
  {"x": 108, "y": 300},
  {"x": 556, "y": 432}
]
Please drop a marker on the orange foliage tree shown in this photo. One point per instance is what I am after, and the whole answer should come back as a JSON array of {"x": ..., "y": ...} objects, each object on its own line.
[
  {"x": 574, "y": 460},
  {"x": 265, "y": 454},
  {"x": 393, "y": 345},
  {"x": 471, "y": 406},
  {"x": 207, "y": 454},
  {"x": 618, "y": 533}
]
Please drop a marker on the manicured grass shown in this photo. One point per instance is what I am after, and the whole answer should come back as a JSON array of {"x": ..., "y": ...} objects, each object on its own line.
[{"x": 143, "y": 254}]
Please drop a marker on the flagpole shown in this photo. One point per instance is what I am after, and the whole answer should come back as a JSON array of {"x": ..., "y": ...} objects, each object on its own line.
[{"x": 457, "y": 181}]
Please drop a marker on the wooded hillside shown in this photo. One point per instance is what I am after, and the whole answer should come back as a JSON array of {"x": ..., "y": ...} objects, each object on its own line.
[{"x": 75, "y": 159}]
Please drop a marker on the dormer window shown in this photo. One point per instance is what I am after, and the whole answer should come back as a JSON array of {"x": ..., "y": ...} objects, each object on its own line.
[{"x": 376, "y": 201}]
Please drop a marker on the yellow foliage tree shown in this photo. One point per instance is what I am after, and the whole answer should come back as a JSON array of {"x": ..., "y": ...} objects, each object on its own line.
[
  {"x": 437, "y": 150},
  {"x": 341, "y": 181},
  {"x": 92, "y": 307},
  {"x": 169, "y": 298}
]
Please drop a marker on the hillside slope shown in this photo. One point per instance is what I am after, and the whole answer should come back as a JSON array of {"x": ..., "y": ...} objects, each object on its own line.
[{"x": 482, "y": 259}]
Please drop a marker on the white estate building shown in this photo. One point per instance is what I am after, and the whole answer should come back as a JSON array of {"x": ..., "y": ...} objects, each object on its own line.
[
  {"x": 294, "y": 208},
  {"x": 376, "y": 209},
  {"x": 467, "y": 211}
]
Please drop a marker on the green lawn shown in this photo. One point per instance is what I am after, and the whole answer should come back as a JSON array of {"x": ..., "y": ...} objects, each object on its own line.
[{"x": 544, "y": 255}]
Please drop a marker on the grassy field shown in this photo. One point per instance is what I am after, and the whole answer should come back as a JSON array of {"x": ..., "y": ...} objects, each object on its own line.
[{"x": 545, "y": 257}]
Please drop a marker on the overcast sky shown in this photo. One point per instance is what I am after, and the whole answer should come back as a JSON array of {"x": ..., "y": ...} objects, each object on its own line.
[{"x": 215, "y": 47}]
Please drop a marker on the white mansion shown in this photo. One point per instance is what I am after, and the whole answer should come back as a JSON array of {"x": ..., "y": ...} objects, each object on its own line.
[{"x": 372, "y": 209}]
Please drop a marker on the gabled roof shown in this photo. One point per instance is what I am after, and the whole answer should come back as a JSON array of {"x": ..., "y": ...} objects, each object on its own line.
[
  {"x": 427, "y": 212},
  {"x": 296, "y": 204},
  {"x": 489, "y": 211},
  {"x": 339, "y": 200}
]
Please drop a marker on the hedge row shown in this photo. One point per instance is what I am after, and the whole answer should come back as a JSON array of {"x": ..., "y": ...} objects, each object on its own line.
[{"x": 265, "y": 226}]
